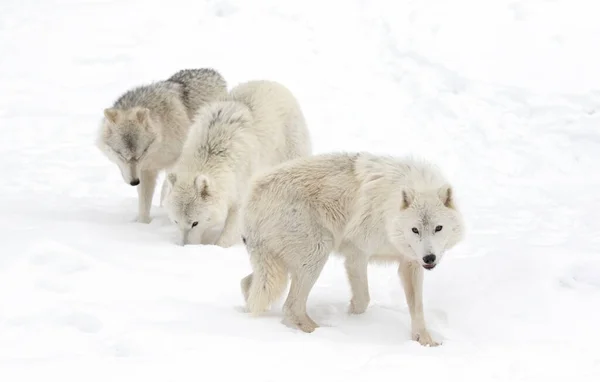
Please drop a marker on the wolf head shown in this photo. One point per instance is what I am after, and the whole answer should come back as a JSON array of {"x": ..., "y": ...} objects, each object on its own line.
[
  {"x": 194, "y": 205},
  {"x": 126, "y": 138},
  {"x": 425, "y": 225}
]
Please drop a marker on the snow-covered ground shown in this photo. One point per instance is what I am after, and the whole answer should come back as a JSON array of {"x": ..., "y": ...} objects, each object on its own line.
[{"x": 503, "y": 95}]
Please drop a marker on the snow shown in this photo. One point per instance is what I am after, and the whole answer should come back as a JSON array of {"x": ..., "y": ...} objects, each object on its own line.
[{"x": 503, "y": 95}]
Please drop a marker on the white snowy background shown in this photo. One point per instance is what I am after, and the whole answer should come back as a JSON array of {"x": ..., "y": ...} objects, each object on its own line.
[{"x": 503, "y": 95}]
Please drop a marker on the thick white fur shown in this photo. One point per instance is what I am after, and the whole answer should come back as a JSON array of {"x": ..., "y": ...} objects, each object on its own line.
[
  {"x": 361, "y": 206},
  {"x": 259, "y": 125}
]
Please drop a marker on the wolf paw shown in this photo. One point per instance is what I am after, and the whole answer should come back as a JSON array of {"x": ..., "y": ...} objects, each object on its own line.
[
  {"x": 302, "y": 322},
  {"x": 424, "y": 338},
  {"x": 307, "y": 326},
  {"x": 226, "y": 242},
  {"x": 143, "y": 219},
  {"x": 358, "y": 306}
]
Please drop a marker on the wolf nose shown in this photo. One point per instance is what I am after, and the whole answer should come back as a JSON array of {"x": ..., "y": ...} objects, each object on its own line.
[
  {"x": 135, "y": 182},
  {"x": 429, "y": 259}
]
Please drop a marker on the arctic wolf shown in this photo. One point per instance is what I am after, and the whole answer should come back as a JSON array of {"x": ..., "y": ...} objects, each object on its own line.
[
  {"x": 362, "y": 206},
  {"x": 258, "y": 126},
  {"x": 144, "y": 130}
]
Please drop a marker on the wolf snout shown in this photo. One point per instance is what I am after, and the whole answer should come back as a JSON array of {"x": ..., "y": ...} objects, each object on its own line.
[
  {"x": 429, "y": 261},
  {"x": 135, "y": 182}
]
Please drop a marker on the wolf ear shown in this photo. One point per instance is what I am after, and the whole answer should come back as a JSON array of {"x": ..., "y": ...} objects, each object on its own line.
[
  {"x": 408, "y": 195},
  {"x": 111, "y": 114},
  {"x": 446, "y": 196},
  {"x": 202, "y": 185},
  {"x": 142, "y": 114},
  {"x": 171, "y": 178}
]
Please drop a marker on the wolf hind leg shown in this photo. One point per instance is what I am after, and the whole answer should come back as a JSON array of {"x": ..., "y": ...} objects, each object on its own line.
[{"x": 304, "y": 276}]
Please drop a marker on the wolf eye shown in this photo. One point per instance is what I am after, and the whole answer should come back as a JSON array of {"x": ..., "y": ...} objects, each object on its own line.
[
  {"x": 438, "y": 228},
  {"x": 194, "y": 224},
  {"x": 415, "y": 230}
]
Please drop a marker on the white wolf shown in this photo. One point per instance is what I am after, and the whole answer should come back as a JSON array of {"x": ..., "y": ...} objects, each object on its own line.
[
  {"x": 143, "y": 132},
  {"x": 259, "y": 125},
  {"x": 362, "y": 206}
]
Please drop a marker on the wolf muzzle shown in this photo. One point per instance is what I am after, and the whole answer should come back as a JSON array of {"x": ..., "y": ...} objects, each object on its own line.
[
  {"x": 135, "y": 180},
  {"x": 130, "y": 174}
]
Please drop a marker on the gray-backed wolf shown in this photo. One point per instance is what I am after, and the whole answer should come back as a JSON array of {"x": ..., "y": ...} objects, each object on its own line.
[{"x": 143, "y": 132}]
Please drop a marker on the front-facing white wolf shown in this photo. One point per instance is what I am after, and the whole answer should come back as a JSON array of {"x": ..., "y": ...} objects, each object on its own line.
[
  {"x": 362, "y": 206},
  {"x": 143, "y": 132},
  {"x": 259, "y": 125}
]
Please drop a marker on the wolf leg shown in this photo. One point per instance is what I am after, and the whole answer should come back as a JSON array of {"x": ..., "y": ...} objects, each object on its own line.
[
  {"x": 145, "y": 194},
  {"x": 304, "y": 277},
  {"x": 411, "y": 274},
  {"x": 163, "y": 192},
  {"x": 356, "y": 268},
  {"x": 245, "y": 285},
  {"x": 231, "y": 230}
]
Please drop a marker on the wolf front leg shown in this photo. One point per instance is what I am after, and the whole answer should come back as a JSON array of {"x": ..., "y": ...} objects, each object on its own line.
[
  {"x": 163, "y": 192},
  {"x": 145, "y": 194},
  {"x": 356, "y": 270},
  {"x": 411, "y": 274},
  {"x": 231, "y": 230}
]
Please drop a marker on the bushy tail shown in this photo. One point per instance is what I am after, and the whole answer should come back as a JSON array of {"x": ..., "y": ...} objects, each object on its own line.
[{"x": 266, "y": 284}]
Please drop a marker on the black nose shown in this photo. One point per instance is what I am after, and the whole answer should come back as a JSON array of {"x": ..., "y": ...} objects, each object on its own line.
[
  {"x": 429, "y": 259},
  {"x": 135, "y": 182}
]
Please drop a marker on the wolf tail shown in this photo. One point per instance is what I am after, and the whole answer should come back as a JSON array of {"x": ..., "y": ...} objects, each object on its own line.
[{"x": 267, "y": 283}]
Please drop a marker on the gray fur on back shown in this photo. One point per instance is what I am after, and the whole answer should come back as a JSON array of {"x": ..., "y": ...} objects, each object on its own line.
[
  {"x": 193, "y": 87},
  {"x": 149, "y": 96},
  {"x": 199, "y": 86}
]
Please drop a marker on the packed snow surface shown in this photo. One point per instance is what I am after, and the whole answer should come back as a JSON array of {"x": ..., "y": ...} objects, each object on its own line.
[{"x": 503, "y": 95}]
